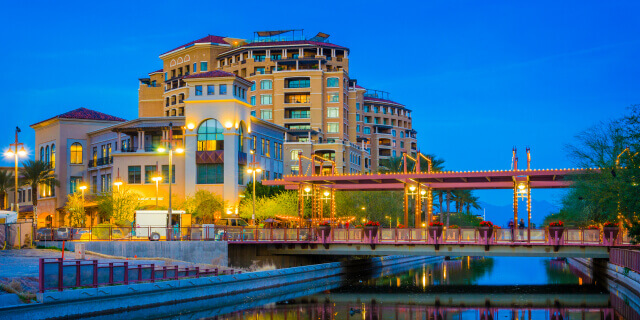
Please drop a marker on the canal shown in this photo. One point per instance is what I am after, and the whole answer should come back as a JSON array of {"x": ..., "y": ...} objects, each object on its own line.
[{"x": 460, "y": 288}]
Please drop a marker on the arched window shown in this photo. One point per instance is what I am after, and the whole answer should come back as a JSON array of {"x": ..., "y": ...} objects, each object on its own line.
[
  {"x": 53, "y": 156},
  {"x": 210, "y": 136},
  {"x": 46, "y": 155},
  {"x": 42, "y": 154},
  {"x": 75, "y": 153}
]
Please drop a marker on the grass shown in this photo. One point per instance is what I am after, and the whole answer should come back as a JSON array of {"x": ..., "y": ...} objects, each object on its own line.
[
  {"x": 53, "y": 248},
  {"x": 16, "y": 288}
]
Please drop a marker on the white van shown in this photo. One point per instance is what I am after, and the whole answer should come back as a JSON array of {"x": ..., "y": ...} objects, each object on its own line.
[
  {"x": 152, "y": 224},
  {"x": 8, "y": 217}
]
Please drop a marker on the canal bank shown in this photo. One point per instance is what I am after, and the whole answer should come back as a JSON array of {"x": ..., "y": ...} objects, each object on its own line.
[
  {"x": 112, "y": 299},
  {"x": 620, "y": 281}
]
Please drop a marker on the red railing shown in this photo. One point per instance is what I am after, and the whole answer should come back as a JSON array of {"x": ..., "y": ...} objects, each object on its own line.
[
  {"x": 59, "y": 274},
  {"x": 625, "y": 258},
  {"x": 567, "y": 236}
]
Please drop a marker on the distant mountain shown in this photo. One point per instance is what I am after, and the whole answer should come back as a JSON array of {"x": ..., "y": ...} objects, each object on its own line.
[{"x": 500, "y": 215}]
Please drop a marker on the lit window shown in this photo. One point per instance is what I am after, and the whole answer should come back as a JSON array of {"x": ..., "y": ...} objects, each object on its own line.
[
  {"x": 333, "y": 113},
  {"x": 75, "y": 153},
  {"x": 210, "y": 137},
  {"x": 333, "y": 127},
  {"x": 333, "y": 97},
  {"x": 295, "y": 154}
]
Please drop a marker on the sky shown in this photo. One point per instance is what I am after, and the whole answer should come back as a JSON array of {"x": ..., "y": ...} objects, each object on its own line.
[{"x": 481, "y": 77}]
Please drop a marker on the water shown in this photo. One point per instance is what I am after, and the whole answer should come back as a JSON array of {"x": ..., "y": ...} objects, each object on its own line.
[{"x": 465, "y": 288}]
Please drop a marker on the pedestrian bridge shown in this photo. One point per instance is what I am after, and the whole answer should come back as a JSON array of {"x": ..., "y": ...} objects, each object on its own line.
[{"x": 432, "y": 242}]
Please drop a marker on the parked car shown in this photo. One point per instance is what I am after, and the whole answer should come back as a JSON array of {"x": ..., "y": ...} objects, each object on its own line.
[
  {"x": 82, "y": 234},
  {"x": 63, "y": 233},
  {"x": 44, "y": 234},
  {"x": 234, "y": 229}
]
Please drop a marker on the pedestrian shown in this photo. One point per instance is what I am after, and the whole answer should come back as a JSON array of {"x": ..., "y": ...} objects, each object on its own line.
[
  {"x": 521, "y": 231},
  {"x": 511, "y": 224},
  {"x": 521, "y": 224}
]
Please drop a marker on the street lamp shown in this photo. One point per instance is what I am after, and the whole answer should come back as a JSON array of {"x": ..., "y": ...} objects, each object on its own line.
[
  {"x": 157, "y": 180},
  {"x": 253, "y": 170},
  {"x": 15, "y": 153},
  {"x": 170, "y": 151}
]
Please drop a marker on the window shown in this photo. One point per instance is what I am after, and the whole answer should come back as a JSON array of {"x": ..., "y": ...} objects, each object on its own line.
[
  {"x": 259, "y": 71},
  {"x": 267, "y": 151},
  {"x": 401, "y": 134},
  {"x": 357, "y": 128},
  {"x": 94, "y": 184},
  {"x": 266, "y": 84},
  {"x": 74, "y": 182},
  {"x": 298, "y": 83},
  {"x": 263, "y": 147},
  {"x": 357, "y": 105},
  {"x": 366, "y": 108},
  {"x": 259, "y": 58},
  {"x": 295, "y": 170},
  {"x": 253, "y": 100},
  {"x": 393, "y": 133},
  {"x": 166, "y": 76},
  {"x": 297, "y": 98},
  {"x": 253, "y": 86},
  {"x": 134, "y": 174},
  {"x": 46, "y": 155},
  {"x": 295, "y": 154},
  {"x": 375, "y": 109},
  {"x": 254, "y": 143},
  {"x": 333, "y": 97},
  {"x": 394, "y": 153},
  {"x": 210, "y": 173},
  {"x": 210, "y": 136},
  {"x": 333, "y": 127},
  {"x": 223, "y": 89},
  {"x": 165, "y": 174},
  {"x": 53, "y": 156},
  {"x": 75, "y": 153},
  {"x": 195, "y": 67},
  {"x": 333, "y": 82},
  {"x": 333, "y": 113},
  {"x": 401, "y": 144},
  {"x": 103, "y": 183},
  {"x": 367, "y": 130},
  {"x": 203, "y": 66},
  {"x": 241, "y": 170},
  {"x": 265, "y": 99},
  {"x": 266, "y": 114},
  {"x": 298, "y": 127},
  {"x": 149, "y": 172},
  {"x": 211, "y": 90},
  {"x": 198, "y": 90},
  {"x": 42, "y": 154}
]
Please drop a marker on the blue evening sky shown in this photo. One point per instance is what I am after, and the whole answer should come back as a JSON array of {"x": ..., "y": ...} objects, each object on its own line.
[{"x": 481, "y": 76}]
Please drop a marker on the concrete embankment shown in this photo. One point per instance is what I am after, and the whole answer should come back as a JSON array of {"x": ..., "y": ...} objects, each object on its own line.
[
  {"x": 150, "y": 297},
  {"x": 620, "y": 281},
  {"x": 206, "y": 252}
]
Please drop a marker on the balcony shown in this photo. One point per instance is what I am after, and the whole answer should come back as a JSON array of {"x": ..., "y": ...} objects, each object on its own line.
[{"x": 100, "y": 162}]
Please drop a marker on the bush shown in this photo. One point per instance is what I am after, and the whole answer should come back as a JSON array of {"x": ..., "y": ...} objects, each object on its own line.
[{"x": 101, "y": 231}]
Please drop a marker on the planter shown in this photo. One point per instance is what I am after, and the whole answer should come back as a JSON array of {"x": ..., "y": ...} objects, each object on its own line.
[
  {"x": 371, "y": 232},
  {"x": 437, "y": 230},
  {"x": 555, "y": 230},
  {"x": 327, "y": 232},
  {"x": 487, "y": 230},
  {"x": 611, "y": 233}
]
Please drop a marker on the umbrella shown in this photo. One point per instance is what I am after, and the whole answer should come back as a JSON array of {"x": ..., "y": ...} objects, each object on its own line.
[{"x": 270, "y": 220}]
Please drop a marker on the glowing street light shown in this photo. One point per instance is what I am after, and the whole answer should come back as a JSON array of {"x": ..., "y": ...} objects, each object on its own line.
[
  {"x": 170, "y": 152},
  {"x": 253, "y": 170},
  {"x": 16, "y": 153}
]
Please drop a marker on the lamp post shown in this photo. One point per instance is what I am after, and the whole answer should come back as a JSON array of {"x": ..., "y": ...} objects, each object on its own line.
[
  {"x": 253, "y": 171},
  {"x": 170, "y": 151},
  {"x": 15, "y": 153},
  {"x": 82, "y": 188},
  {"x": 157, "y": 180}
]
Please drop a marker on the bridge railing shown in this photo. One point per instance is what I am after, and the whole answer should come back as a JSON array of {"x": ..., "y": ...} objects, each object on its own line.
[{"x": 625, "y": 258}]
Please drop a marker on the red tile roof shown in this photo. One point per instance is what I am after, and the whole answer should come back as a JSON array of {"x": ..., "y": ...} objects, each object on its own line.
[
  {"x": 84, "y": 114},
  {"x": 215, "y": 74},
  {"x": 359, "y": 86},
  {"x": 157, "y": 71},
  {"x": 207, "y": 39},
  {"x": 382, "y": 100},
  {"x": 284, "y": 43}
]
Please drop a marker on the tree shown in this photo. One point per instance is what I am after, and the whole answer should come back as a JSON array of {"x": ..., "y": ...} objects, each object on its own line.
[
  {"x": 261, "y": 191},
  {"x": 75, "y": 208},
  {"x": 608, "y": 190},
  {"x": 119, "y": 205},
  {"x": 378, "y": 205},
  {"x": 391, "y": 165},
  {"x": 281, "y": 204},
  {"x": 6, "y": 184},
  {"x": 36, "y": 173},
  {"x": 204, "y": 206}
]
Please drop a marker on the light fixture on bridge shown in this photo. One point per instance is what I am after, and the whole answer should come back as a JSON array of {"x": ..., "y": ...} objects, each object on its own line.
[
  {"x": 522, "y": 190},
  {"x": 412, "y": 191},
  {"x": 307, "y": 191},
  {"x": 327, "y": 196}
]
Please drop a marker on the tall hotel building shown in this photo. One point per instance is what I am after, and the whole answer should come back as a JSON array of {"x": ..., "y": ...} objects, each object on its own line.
[{"x": 219, "y": 99}]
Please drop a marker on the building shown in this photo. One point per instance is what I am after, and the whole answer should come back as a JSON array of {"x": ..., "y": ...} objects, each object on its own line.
[
  {"x": 215, "y": 130},
  {"x": 301, "y": 84},
  {"x": 24, "y": 198}
]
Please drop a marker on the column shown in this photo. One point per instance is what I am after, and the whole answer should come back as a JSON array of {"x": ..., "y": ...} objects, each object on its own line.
[
  {"x": 119, "y": 141},
  {"x": 333, "y": 53},
  {"x": 528, "y": 211},
  {"x": 300, "y": 53},
  {"x": 418, "y": 217},
  {"x": 515, "y": 209},
  {"x": 429, "y": 205},
  {"x": 140, "y": 141},
  {"x": 190, "y": 166},
  {"x": 230, "y": 157},
  {"x": 406, "y": 206}
]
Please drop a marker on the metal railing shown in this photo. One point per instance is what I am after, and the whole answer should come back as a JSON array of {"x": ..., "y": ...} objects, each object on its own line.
[
  {"x": 252, "y": 234},
  {"x": 625, "y": 258},
  {"x": 59, "y": 274}
]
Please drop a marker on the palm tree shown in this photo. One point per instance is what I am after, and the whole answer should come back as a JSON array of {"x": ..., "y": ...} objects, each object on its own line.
[
  {"x": 37, "y": 173},
  {"x": 6, "y": 184},
  {"x": 391, "y": 165}
]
